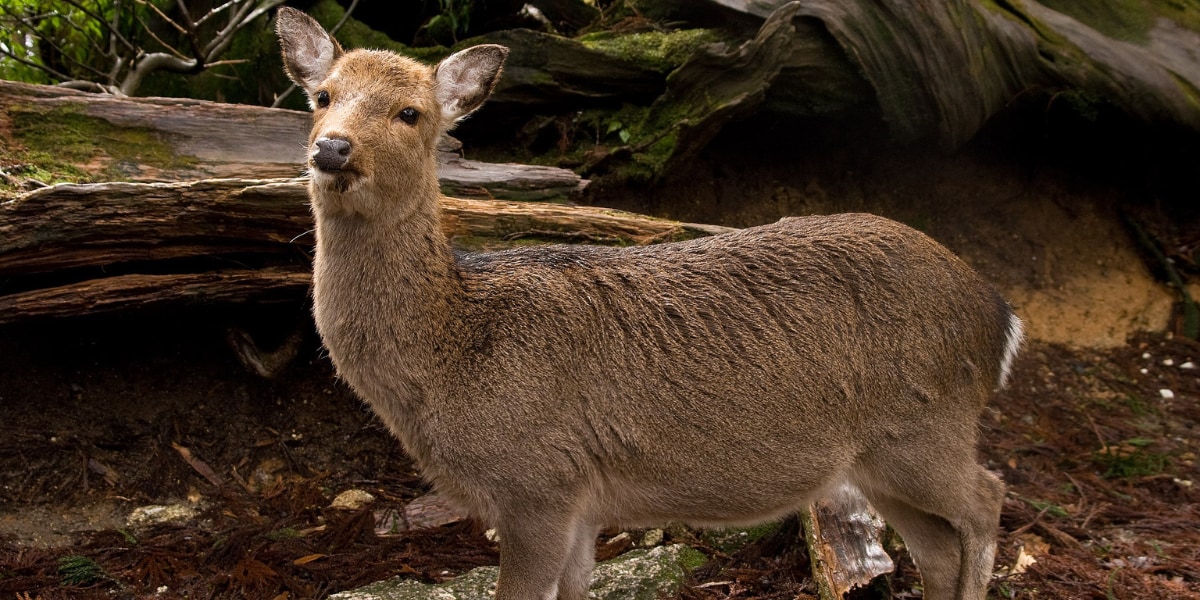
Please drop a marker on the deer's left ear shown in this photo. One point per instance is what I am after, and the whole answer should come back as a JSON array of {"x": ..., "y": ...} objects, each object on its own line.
[{"x": 465, "y": 79}]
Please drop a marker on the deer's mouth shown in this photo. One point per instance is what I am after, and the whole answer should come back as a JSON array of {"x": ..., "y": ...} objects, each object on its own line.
[{"x": 337, "y": 180}]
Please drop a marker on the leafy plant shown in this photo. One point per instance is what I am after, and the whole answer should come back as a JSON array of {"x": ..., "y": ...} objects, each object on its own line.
[
  {"x": 112, "y": 45},
  {"x": 1131, "y": 458},
  {"x": 452, "y": 21},
  {"x": 80, "y": 570}
]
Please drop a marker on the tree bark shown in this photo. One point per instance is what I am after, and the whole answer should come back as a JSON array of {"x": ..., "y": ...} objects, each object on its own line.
[
  {"x": 178, "y": 139},
  {"x": 91, "y": 248},
  {"x": 844, "y": 543}
]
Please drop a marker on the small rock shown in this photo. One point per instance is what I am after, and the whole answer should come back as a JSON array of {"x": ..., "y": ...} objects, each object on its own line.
[
  {"x": 1188, "y": 365},
  {"x": 144, "y": 516},
  {"x": 1146, "y": 355},
  {"x": 637, "y": 575},
  {"x": 1166, "y": 394},
  {"x": 1144, "y": 371},
  {"x": 1168, "y": 362},
  {"x": 352, "y": 499},
  {"x": 492, "y": 535},
  {"x": 652, "y": 537}
]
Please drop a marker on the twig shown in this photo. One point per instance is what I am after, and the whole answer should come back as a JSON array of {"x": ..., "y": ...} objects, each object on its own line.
[
  {"x": 1029, "y": 525},
  {"x": 112, "y": 30},
  {"x": 203, "y": 469}
]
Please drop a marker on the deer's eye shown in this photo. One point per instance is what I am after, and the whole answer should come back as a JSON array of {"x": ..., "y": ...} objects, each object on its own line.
[
  {"x": 409, "y": 115},
  {"x": 322, "y": 99}
]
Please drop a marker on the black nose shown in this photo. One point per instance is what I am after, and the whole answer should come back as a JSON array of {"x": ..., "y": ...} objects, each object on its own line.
[{"x": 332, "y": 154}]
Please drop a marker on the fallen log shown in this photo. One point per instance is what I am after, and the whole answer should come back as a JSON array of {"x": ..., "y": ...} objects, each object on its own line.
[
  {"x": 90, "y": 248},
  {"x": 112, "y": 138}
]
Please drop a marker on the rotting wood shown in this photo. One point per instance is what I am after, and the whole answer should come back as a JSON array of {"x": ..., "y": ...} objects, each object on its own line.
[
  {"x": 843, "y": 534},
  {"x": 125, "y": 292},
  {"x": 179, "y": 139},
  {"x": 225, "y": 225},
  {"x": 940, "y": 69}
]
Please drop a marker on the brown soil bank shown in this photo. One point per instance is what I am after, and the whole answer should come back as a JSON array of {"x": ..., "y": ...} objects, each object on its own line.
[{"x": 1041, "y": 210}]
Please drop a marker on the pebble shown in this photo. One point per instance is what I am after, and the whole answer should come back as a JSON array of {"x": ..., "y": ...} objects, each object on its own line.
[
  {"x": 652, "y": 537},
  {"x": 1168, "y": 362},
  {"x": 154, "y": 514},
  {"x": 352, "y": 499},
  {"x": 1166, "y": 394},
  {"x": 1188, "y": 365},
  {"x": 1146, "y": 355}
]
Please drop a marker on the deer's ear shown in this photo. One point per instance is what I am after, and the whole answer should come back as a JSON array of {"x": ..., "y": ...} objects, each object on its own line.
[
  {"x": 465, "y": 79},
  {"x": 308, "y": 51}
]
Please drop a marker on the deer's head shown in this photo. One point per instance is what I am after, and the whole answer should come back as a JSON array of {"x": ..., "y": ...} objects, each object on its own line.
[{"x": 377, "y": 116}]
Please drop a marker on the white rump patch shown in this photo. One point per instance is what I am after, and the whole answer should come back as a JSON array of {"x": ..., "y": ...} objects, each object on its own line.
[{"x": 1012, "y": 345}]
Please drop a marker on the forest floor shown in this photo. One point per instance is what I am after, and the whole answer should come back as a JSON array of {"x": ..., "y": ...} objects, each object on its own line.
[{"x": 1099, "y": 450}]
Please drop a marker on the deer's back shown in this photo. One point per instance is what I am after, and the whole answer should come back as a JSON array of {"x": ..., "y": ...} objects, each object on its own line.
[{"x": 780, "y": 352}]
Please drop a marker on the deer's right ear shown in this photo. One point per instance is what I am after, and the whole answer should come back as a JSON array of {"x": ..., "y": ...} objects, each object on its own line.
[{"x": 308, "y": 51}]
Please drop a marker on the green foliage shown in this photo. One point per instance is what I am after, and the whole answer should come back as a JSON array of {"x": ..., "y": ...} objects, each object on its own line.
[
  {"x": 1131, "y": 458},
  {"x": 80, "y": 570},
  {"x": 356, "y": 34},
  {"x": 1050, "y": 508},
  {"x": 451, "y": 23},
  {"x": 67, "y": 39}
]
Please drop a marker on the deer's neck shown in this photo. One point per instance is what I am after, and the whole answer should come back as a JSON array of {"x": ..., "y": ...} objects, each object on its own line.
[{"x": 386, "y": 297}]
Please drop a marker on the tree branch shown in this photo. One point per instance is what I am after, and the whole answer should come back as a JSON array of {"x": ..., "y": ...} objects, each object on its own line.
[
  {"x": 220, "y": 43},
  {"x": 104, "y": 22}
]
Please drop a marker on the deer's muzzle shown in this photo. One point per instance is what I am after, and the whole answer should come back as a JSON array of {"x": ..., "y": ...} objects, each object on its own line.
[{"x": 331, "y": 154}]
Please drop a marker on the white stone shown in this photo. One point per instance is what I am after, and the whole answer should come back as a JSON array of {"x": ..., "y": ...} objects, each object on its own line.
[
  {"x": 352, "y": 499},
  {"x": 144, "y": 516}
]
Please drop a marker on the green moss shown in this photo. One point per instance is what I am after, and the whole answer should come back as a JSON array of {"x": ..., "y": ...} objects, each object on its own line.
[
  {"x": 729, "y": 541},
  {"x": 1128, "y": 20},
  {"x": 287, "y": 533},
  {"x": 1131, "y": 458},
  {"x": 661, "y": 51},
  {"x": 356, "y": 34},
  {"x": 59, "y": 139}
]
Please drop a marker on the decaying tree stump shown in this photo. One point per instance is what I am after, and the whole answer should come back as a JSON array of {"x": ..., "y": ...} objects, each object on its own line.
[{"x": 844, "y": 543}]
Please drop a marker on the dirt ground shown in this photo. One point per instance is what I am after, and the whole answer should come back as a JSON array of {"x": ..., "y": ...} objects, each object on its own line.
[{"x": 1097, "y": 436}]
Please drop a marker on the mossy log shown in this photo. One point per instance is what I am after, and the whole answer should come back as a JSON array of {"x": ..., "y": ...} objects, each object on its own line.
[
  {"x": 76, "y": 249},
  {"x": 940, "y": 69},
  {"x": 107, "y": 138}
]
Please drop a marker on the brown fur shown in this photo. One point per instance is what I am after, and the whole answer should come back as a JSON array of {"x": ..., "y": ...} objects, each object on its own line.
[{"x": 728, "y": 380}]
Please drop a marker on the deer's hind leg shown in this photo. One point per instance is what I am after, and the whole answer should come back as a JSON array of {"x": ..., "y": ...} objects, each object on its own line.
[
  {"x": 576, "y": 577},
  {"x": 947, "y": 510}
]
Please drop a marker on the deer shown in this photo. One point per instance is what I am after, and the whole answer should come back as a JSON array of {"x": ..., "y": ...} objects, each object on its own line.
[{"x": 556, "y": 390}]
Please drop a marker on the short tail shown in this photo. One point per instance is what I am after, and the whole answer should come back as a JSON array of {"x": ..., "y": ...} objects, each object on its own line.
[{"x": 1012, "y": 345}]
